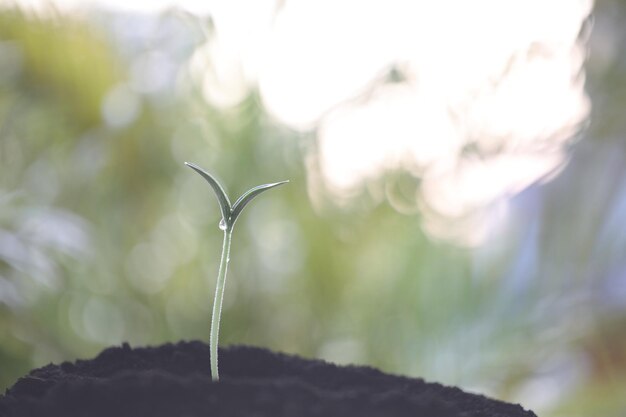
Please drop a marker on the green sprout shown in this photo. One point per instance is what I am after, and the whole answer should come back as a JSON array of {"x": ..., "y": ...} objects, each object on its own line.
[{"x": 230, "y": 213}]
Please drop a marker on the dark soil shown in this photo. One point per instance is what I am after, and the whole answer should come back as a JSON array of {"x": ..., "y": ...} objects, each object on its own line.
[{"x": 173, "y": 380}]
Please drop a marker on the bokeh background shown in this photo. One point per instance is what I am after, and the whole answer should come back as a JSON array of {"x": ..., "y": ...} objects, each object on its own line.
[{"x": 456, "y": 211}]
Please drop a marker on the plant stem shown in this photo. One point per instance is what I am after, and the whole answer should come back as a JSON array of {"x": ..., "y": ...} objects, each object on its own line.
[{"x": 217, "y": 303}]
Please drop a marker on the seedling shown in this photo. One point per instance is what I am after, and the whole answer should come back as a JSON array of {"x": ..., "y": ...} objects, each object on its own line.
[{"x": 230, "y": 213}]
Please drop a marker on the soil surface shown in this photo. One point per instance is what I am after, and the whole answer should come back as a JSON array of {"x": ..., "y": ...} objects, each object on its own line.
[{"x": 173, "y": 380}]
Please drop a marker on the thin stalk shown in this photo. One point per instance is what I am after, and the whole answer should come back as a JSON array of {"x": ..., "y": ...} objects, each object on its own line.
[{"x": 217, "y": 303}]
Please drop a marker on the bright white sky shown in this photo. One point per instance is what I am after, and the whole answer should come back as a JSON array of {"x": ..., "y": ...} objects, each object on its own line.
[{"x": 499, "y": 77}]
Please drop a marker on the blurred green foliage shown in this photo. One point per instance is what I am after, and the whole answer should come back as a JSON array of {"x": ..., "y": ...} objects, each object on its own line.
[{"x": 106, "y": 237}]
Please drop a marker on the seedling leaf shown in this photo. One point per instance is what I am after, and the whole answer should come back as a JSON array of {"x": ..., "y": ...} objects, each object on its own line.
[
  {"x": 222, "y": 198},
  {"x": 248, "y": 196}
]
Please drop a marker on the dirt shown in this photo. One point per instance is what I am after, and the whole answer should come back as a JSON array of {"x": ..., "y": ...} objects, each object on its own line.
[{"x": 174, "y": 380}]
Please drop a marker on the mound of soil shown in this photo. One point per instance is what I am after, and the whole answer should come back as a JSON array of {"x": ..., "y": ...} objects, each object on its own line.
[{"x": 173, "y": 380}]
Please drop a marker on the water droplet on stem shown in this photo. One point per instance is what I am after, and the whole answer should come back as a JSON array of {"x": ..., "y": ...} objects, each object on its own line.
[{"x": 222, "y": 224}]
